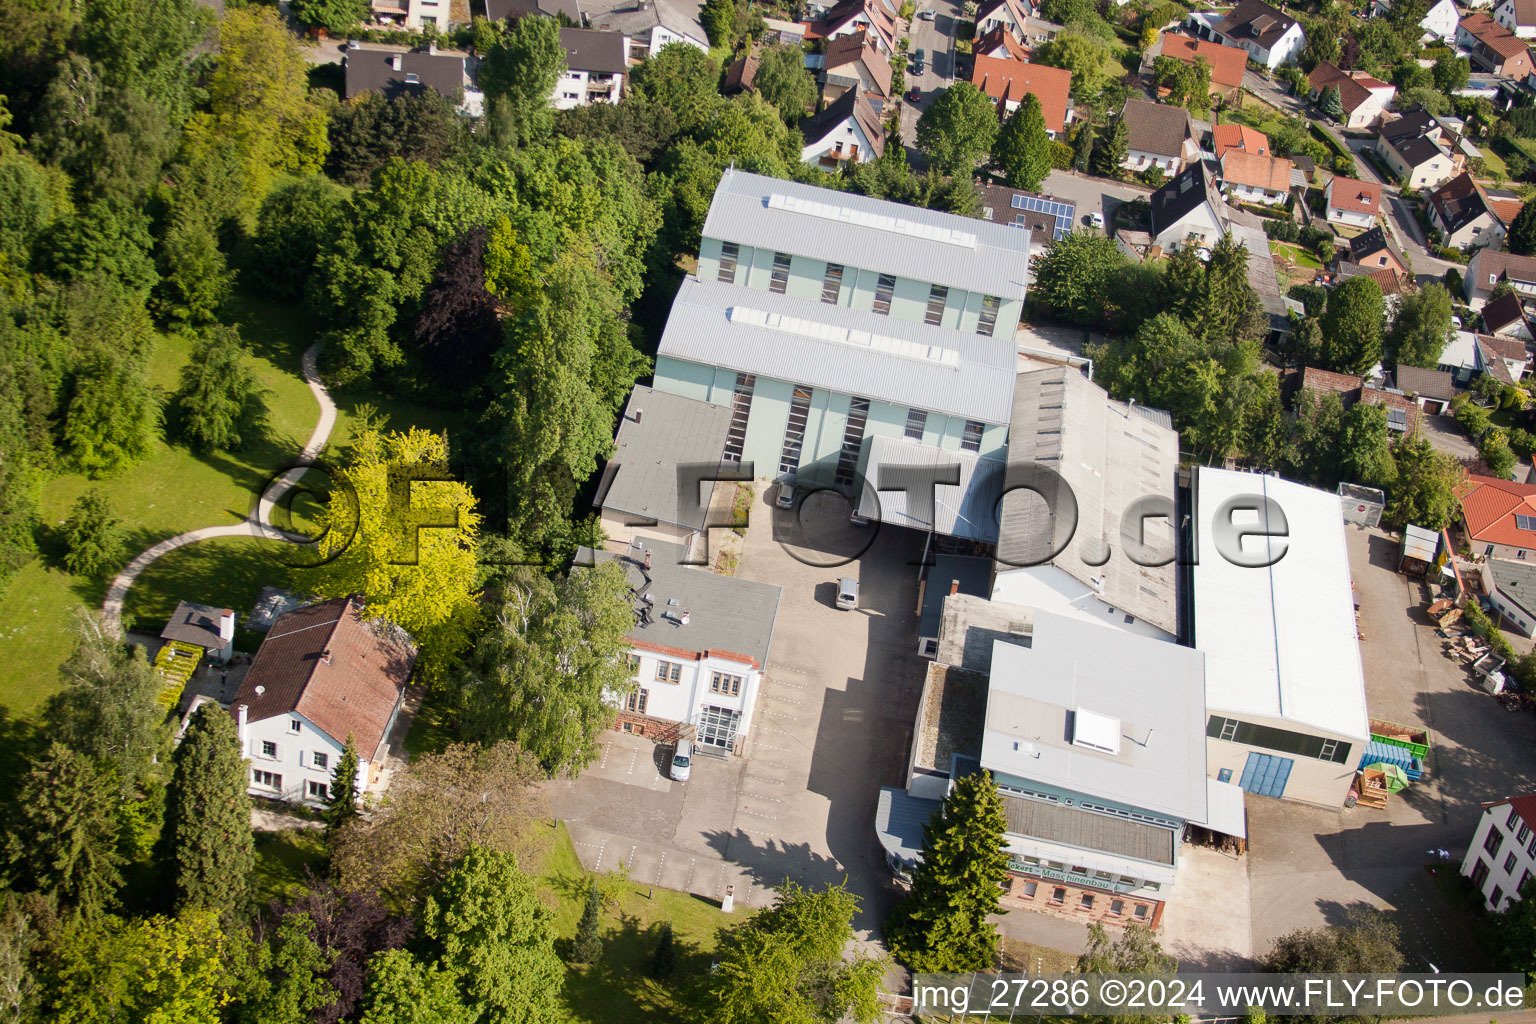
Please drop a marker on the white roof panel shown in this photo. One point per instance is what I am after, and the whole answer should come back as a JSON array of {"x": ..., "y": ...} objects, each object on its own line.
[
  {"x": 850, "y": 351},
  {"x": 1280, "y": 641},
  {"x": 875, "y": 234}
]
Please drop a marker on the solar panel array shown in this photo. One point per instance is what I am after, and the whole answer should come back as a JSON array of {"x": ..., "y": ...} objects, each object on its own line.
[
  {"x": 1063, "y": 212},
  {"x": 1525, "y": 522},
  {"x": 881, "y": 343},
  {"x": 878, "y": 221}
]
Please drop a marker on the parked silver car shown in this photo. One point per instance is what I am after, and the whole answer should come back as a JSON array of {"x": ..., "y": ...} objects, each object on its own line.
[{"x": 848, "y": 593}]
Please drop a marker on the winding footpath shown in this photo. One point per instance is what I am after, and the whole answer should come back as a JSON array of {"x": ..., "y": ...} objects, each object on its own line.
[{"x": 258, "y": 524}]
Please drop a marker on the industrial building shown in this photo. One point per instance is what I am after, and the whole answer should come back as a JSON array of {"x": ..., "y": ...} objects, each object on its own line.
[{"x": 1285, "y": 691}]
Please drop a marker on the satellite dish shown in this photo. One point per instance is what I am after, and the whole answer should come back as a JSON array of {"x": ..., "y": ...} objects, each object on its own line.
[{"x": 260, "y": 690}]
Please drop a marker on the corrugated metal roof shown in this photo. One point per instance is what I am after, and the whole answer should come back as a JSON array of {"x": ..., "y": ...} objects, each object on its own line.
[
  {"x": 1088, "y": 830},
  {"x": 995, "y": 263},
  {"x": 967, "y": 510},
  {"x": 899, "y": 821},
  {"x": 977, "y": 383},
  {"x": 1110, "y": 458}
]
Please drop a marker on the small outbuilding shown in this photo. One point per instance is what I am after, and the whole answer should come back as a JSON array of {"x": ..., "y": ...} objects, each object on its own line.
[
  {"x": 1418, "y": 551},
  {"x": 1362, "y": 505},
  {"x": 201, "y": 625}
]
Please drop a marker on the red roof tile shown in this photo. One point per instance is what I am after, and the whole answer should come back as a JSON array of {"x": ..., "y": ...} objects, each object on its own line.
[
  {"x": 1525, "y": 806},
  {"x": 326, "y": 663},
  {"x": 1489, "y": 505},
  {"x": 1227, "y": 62},
  {"x": 1010, "y": 81},
  {"x": 1226, "y": 137},
  {"x": 1355, "y": 196}
]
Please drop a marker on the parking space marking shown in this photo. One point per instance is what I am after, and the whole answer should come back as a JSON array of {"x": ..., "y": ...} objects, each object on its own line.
[
  {"x": 693, "y": 862},
  {"x": 756, "y": 814},
  {"x": 660, "y": 866},
  {"x": 598, "y": 865},
  {"x": 604, "y": 762},
  {"x": 631, "y": 861},
  {"x": 633, "y": 757}
]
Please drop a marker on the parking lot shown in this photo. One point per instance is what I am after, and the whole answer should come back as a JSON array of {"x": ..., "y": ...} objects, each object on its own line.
[
  {"x": 833, "y": 724},
  {"x": 1309, "y": 864}
]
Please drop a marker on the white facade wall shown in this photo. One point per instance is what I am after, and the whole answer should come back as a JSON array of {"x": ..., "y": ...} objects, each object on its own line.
[
  {"x": 1202, "y": 223},
  {"x": 1441, "y": 20},
  {"x": 1504, "y": 14},
  {"x": 1256, "y": 194},
  {"x": 1283, "y": 52},
  {"x": 1350, "y": 218},
  {"x": 1136, "y": 160},
  {"x": 1052, "y": 589},
  {"x": 1427, "y": 175},
  {"x": 1503, "y": 853},
  {"x": 301, "y": 756},
  {"x": 838, "y": 143},
  {"x": 682, "y": 701},
  {"x": 661, "y": 36},
  {"x": 579, "y": 88}
]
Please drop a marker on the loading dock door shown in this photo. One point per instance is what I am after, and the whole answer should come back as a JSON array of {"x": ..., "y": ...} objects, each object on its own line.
[{"x": 1266, "y": 774}]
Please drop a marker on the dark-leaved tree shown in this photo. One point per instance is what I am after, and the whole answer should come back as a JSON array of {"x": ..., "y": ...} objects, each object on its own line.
[
  {"x": 458, "y": 331},
  {"x": 207, "y": 847}
]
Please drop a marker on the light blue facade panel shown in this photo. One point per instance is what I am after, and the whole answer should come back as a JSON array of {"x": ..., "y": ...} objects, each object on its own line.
[{"x": 690, "y": 380}]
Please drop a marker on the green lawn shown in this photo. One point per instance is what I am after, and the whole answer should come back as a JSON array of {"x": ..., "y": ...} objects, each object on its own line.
[
  {"x": 281, "y": 858},
  {"x": 619, "y": 988},
  {"x": 174, "y": 490},
  {"x": 1493, "y": 164},
  {"x": 1296, "y": 254}
]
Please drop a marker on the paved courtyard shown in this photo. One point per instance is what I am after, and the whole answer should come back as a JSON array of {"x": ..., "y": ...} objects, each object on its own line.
[
  {"x": 833, "y": 724},
  {"x": 1309, "y": 864}
]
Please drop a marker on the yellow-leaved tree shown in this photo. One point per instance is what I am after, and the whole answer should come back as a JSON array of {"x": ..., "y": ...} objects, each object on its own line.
[{"x": 400, "y": 532}]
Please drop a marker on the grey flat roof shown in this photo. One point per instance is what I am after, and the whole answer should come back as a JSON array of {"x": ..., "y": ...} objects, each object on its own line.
[
  {"x": 974, "y": 576},
  {"x": 1151, "y": 692},
  {"x": 1111, "y": 454},
  {"x": 899, "y": 821},
  {"x": 717, "y": 325},
  {"x": 995, "y": 261},
  {"x": 658, "y": 433},
  {"x": 1089, "y": 830},
  {"x": 950, "y": 721},
  {"x": 967, "y": 510},
  {"x": 725, "y": 614},
  {"x": 195, "y": 624},
  {"x": 1516, "y": 581}
]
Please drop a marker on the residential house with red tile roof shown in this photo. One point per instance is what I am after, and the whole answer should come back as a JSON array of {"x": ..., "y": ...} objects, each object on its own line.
[
  {"x": 852, "y": 16},
  {"x": 1362, "y": 96},
  {"x": 1493, "y": 46},
  {"x": 1008, "y": 82},
  {"x": 1002, "y": 44},
  {"x": 1352, "y": 202},
  {"x": 1498, "y": 517},
  {"x": 324, "y": 673},
  {"x": 1226, "y": 137},
  {"x": 1227, "y": 62},
  {"x": 854, "y": 61},
  {"x": 1252, "y": 178},
  {"x": 1501, "y": 858},
  {"x": 1502, "y": 357}
]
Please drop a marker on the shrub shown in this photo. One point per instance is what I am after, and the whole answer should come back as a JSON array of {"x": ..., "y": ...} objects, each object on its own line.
[
  {"x": 1061, "y": 155},
  {"x": 93, "y": 536}
]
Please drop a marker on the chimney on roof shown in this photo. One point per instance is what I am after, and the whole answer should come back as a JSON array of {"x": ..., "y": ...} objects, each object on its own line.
[
  {"x": 325, "y": 656},
  {"x": 954, "y": 586},
  {"x": 647, "y": 559},
  {"x": 226, "y": 625},
  {"x": 639, "y": 415},
  {"x": 396, "y": 62},
  {"x": 241, "y": 711}
]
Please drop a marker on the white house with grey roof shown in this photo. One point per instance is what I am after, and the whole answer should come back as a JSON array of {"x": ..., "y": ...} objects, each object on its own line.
[
  {"x": 1099, "y": 760},
  {"x": 650, "y": 24},
  {"x": 697, "y": 649},
  {"x": 1116, "y": 464},
  {"x": 831, "y": 324},
  {"x": 1284, "y": 684}
]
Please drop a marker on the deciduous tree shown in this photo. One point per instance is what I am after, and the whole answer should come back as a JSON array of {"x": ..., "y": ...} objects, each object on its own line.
[
  {"x": 942, "y": 924},
  {"x": 1022, "y": 150},
  {"x": 283, "y": 981},
  {"x": 207, "y": 846},
  {"x": 1074, "y": 275},
  {"x": 335, "y": 16},
  {"x": 957, "y": 129},
  {"x": 403, "y": 990},
  {"x": 172, "y": 969},
  {"x": 1352, "y": 326},
  {"x": 414, "y": 566},
  {"x": 492, "y": 931},
  {"x": 1424, "y": 492},
  {"x": 1421, "y": 327},
  {"x": 1368, "y": 942},
  {"x": 112, "y": 417},
  {"x": 783, "y": 80},
  {"x": 786, "y": 964},
  {"x": 439, "y": 807},
  {"x": 519, "y": 77}
]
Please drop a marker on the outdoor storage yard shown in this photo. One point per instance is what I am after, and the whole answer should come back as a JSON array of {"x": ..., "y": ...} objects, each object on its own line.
[{"x": 1341, "y": 857}]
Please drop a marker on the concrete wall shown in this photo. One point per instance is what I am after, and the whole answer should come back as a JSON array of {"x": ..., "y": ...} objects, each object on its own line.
[
  {"x": 771, "y": 400},
  {"x": 294, "y": 759},
  {"x": 1311, "y": 780}
]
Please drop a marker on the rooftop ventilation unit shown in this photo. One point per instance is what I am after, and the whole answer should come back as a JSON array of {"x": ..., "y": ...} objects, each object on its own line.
[{"x": 1095, "y": 731}]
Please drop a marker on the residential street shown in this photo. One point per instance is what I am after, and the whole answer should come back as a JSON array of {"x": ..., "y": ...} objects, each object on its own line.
[{"x": 936, "y": 39}]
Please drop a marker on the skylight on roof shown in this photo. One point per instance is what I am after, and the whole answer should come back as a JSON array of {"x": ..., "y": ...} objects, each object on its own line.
[
  {"x": 884, "y": 344},
  {"x": 1525, "y": 522},
  {"x": 877, "y": 221}
]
